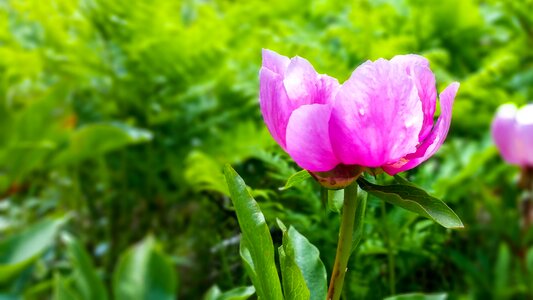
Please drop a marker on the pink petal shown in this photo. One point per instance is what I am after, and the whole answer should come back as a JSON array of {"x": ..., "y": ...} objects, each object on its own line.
[
  {"x": 410, "y": 60},
  {"x": 377, "y": 115},
  {"x": 524, "y": 135},
  {"x": 275, "y": 105},
  {"x": 275, "y": 62},
  {"x": 503, "y": 133},
  {"x": 305, "y": 86},
  {"x": 308, "y": 140},
  {"x": 418, "y": 67},
  {"x": 434, "y": 140},
  {"x": 285, "y": 85}
]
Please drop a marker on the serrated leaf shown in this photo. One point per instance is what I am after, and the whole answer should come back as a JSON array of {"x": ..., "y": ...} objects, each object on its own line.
[
  {"x": 257, "y": 249},
  {"x": 414, "y": 199},
  {"x": 295, "y": 179}
]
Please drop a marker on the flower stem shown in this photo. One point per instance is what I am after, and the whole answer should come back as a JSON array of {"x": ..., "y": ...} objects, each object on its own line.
[
  {"x": 344, "y": 246},
  {"x": 390, "y": 251}
]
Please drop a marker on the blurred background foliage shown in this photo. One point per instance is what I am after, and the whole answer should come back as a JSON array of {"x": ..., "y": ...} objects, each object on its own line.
[{"x": 117, "y": 117}]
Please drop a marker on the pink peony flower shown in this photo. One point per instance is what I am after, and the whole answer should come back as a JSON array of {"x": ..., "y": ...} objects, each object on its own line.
[
  {"x": 512, "y": 131},
  {"x": 382, "y": 117}
]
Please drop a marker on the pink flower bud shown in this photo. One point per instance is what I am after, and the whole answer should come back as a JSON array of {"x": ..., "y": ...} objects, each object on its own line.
[{"x": 512, "y": 131}]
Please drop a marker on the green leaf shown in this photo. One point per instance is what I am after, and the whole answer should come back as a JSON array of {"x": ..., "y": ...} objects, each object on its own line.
[
  {"x": 240, "y": 293},
  {"x": 295, "y": 179},
  {"x": 419, "y": 296},
  {"x": 294, "y": 286},
  {"x": 529, "y": 261},
  {"x": 20, "y": 250},
  {"x": 85, "y": 277},
  {"x": 97, "y": 139},
  {"x": 63, "y": 290},
  {"x": 414, "y": 199},
  {"x": 335, "y": 200},
  {"x": 304, "y": 274},
  {"x": 257, "y": 250},
  {"x": 359, "y": 218},
  {"x": 144, "y": 273}
]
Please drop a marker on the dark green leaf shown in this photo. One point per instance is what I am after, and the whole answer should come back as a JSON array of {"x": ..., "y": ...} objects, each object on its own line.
[
  {"x": 144, "y": 273},
  {"x": 301, "y": 263},
  {"x": 419, "y": 296},
  {"x": 294, "y": 286},
  {"x": 414, "y": 199},
  {"x": 296, "y": 178},
  {"x": 257, "y": 250},
  {"x": 359, "y": 218}
]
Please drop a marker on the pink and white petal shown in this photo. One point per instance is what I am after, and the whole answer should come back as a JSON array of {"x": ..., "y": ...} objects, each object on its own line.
[
  {"x": 504, "y": 133},
  {"x": 328, "y": 88},
  {"x": 275, "y": 62},
  {"x": 275, "y": 105},
  {"x": 524, "y": 135},
  {"x": 301, "y": 82},
  {"x": 418, "y": 67},
  {"x": 435, "y": 139},
  {"x": 410, "y": 60},
  {"x": 376, "y": 116},
  {"x": 308, "y": 140},
  {"x": 427, "y": 91}
]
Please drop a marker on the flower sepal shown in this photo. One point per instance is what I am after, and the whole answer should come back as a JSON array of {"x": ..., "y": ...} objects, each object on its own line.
[{"x": 339, "y": 177}]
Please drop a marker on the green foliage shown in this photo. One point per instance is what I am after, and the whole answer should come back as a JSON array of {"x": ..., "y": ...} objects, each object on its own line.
[
  {"x": 257, "y": 250},
  {"x": 22, "y": 249},
  {"x": 85, "y": 278},
  {"x": 143, "y": 273}
]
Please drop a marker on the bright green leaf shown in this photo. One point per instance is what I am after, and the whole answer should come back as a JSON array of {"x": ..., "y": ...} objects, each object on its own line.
[
  {"x": 257, "y": 249},
  {"x": 63, "y": 290},
  {"x": 144, "y": 273},
  {"x": 239, "y": 293},
  {"x": 85, "y": 277},
  {"x": 335, "y": 200},
  {"x": 415, "y": 200},
  {"x": 97, "y": 139},
  {"x": 295, "y": 179},
  {"x": 20, "y": 250}
]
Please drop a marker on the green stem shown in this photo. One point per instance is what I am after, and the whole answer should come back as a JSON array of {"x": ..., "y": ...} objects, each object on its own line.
[
  {"x": 344, "y": 246},
  {"x": 390, "y": 253}
]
